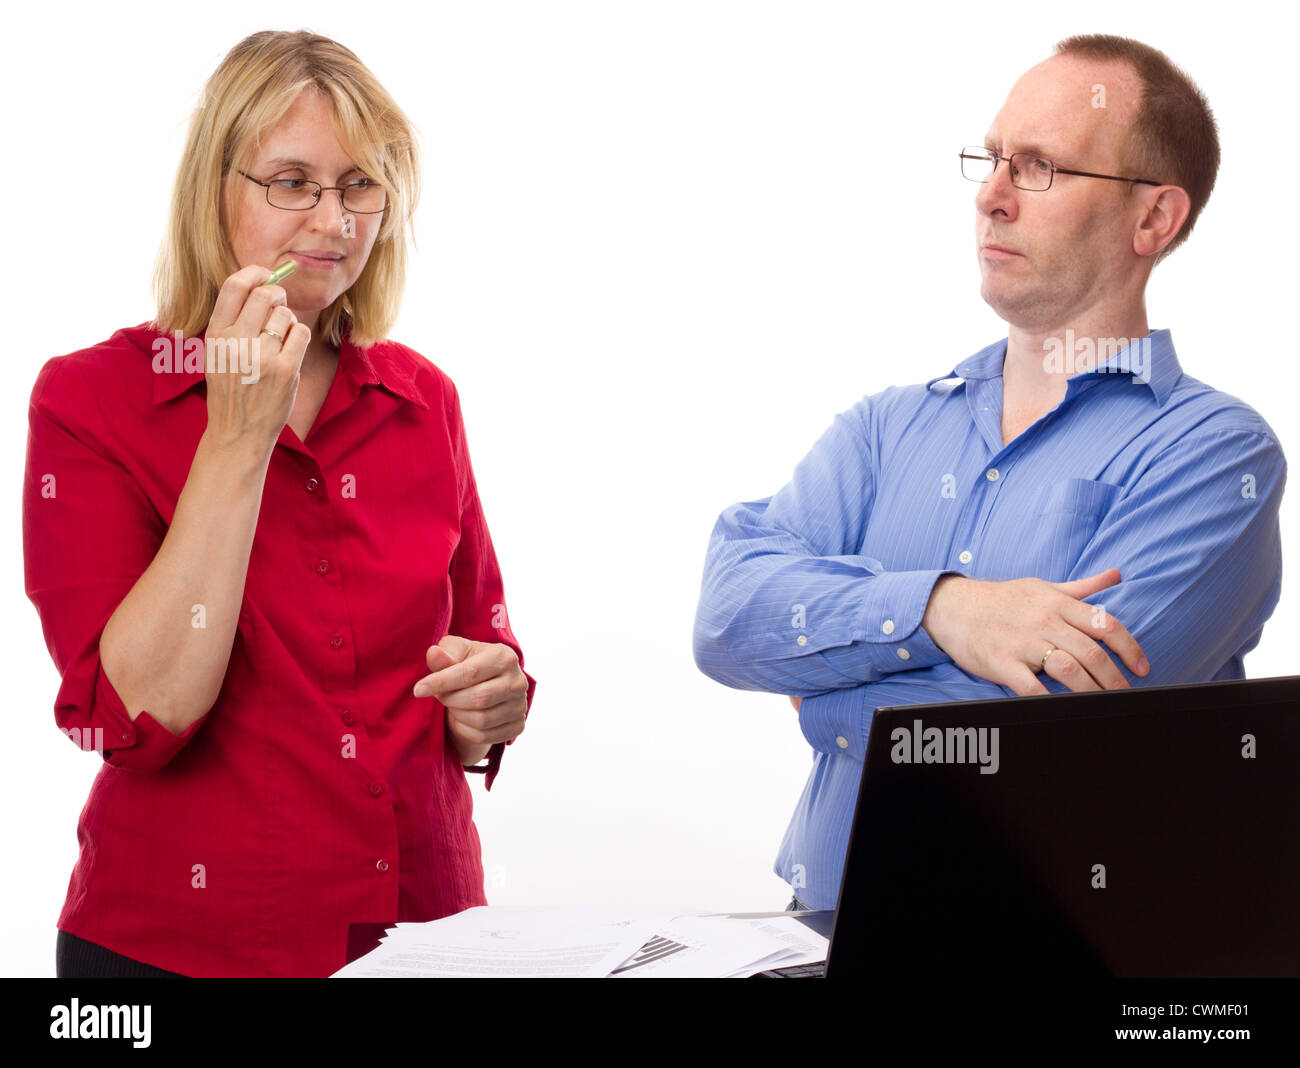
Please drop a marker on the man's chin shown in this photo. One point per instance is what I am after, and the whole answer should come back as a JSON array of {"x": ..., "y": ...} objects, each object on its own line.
[{"x": 1006, "y": 303}]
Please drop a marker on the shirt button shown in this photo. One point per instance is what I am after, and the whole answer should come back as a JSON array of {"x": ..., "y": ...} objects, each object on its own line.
[
  {"x": 382, "y": 865},
  {"x": 336, "y": 641},
  {"x": 965, "y": 557},
  {"x": 376, "y": 788},
  {"x": 842, "y": 742},
  {"x": 311, "y": 485},
  {"x": 322, "y": 566},
  {"x": 903, "y": 654},
  {"x": 887, "y": 626},
  {"x": 991, "y": 474},
  {"x": 348, "y": 717},
  {"x": 802, "y": 639}
]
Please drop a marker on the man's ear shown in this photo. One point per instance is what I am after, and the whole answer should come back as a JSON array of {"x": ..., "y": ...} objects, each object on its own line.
[{"x": 1167, "y": 209}]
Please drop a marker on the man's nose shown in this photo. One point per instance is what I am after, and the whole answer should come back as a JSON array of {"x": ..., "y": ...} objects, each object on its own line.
[{"x": 998, "y": 194}]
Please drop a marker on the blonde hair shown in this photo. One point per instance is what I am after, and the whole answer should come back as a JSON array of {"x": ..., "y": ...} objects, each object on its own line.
[{"x": 254, "y": 86}]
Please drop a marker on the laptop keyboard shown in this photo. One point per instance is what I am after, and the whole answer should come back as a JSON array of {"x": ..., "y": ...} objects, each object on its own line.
[{"x": 795, "y": 971}]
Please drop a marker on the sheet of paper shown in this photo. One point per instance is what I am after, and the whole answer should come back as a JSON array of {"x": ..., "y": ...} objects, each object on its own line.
[
  {"x": 588, "y": 941},
  {"x": 553, "y": 942},
  {"x": 701, "y": 947},
  {"x": 802, "y": 945}
]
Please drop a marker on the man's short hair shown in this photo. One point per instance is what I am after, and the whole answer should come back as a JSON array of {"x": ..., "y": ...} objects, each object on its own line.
[{"x": 1174, "y": 139}]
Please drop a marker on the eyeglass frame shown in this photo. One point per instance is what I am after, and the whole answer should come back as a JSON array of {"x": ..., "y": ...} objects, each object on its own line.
[
  {"x": 321, "y": 190},
  {"x": 998, "y": 157}
]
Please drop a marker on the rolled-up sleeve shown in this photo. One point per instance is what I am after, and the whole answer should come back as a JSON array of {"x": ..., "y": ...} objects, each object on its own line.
[
  {"x": 89, "y": 533},
  {"x": 788, "y": 605},
  {"x": 478, "y": 595}
]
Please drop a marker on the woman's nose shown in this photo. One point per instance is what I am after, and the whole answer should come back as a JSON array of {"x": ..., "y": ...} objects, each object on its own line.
[{"x": 329, "y": 212}]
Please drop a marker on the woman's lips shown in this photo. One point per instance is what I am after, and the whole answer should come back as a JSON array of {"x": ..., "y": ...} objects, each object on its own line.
[{"x": 319, "y": 263}]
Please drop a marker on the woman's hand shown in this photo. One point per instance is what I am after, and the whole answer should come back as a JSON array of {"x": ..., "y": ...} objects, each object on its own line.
[
  {"x": 254, "y": 411},
  {"x": 483, "y": 689}
]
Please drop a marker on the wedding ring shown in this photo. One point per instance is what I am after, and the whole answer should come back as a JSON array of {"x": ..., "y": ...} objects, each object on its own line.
[
  {"x": 268, "y": 330},
  {"x": 1043, "y": 663}
]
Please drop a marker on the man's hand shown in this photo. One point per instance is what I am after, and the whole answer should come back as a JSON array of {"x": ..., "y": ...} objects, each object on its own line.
[
  {"x": 795, "y": 701},
  {"x": 483, "y": 689},
  {"x": 1000, "y": 631}
]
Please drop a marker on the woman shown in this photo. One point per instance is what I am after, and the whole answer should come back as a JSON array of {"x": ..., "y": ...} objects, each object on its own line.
[{"x": 269, "y": 587}]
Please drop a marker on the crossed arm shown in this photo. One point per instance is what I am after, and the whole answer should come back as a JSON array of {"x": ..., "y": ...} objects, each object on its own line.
[{"x": 1186, "y": 596}]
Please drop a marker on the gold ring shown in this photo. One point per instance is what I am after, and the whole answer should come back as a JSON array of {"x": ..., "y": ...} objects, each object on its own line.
[
  {"x": 268, "y": 330},
  {"x": 1042, "y": 666}
]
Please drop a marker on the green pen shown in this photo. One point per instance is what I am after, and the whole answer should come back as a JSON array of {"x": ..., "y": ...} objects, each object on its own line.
[{"x": 283, "y": 271}]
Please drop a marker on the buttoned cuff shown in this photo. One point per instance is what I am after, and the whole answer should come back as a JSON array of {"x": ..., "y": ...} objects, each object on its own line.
[
  {"x": 142, "y": 745},
  {"x": 890, "y": 621},
  {"x": 835, "y": 722}
]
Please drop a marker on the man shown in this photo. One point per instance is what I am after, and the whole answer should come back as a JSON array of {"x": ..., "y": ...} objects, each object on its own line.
[{"x": 1063, "y": 495}]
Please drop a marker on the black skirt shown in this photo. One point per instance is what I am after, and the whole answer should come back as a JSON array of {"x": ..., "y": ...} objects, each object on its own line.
[{"x": 75, "y": 958}]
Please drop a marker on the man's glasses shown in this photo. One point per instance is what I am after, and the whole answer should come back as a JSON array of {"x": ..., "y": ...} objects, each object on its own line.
[
  {"x": 1027, "y": 170},
  {"x": 364, "y": 196}
]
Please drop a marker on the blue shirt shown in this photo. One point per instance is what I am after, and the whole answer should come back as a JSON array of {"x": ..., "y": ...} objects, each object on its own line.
[{"x": 819, "y": 590}]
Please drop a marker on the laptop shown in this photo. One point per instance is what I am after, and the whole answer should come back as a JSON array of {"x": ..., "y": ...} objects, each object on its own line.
[{"x": 1152, "y": 831}]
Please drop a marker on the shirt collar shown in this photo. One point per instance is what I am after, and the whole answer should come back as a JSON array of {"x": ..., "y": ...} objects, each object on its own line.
[
  {"x": 1150, "y": 360},
  {"x": 380, "y": 364}
]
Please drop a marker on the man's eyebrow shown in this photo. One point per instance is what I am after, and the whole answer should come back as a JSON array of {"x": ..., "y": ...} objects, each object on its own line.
[
  {"x": 281, "y": 162},
  {"x": 1033, "y": 148}
]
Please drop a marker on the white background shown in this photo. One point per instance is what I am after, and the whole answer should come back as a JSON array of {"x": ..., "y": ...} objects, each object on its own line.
[{"x": 660, "y": 246}]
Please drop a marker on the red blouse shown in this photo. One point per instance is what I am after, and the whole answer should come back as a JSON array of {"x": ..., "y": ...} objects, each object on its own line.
[{"x": 318, "y": 791}]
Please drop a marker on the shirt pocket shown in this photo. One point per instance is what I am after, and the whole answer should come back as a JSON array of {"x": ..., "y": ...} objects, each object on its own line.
[
  {"x": 1077, "y": 497},
  {"x": 1062, "y": 520}
]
